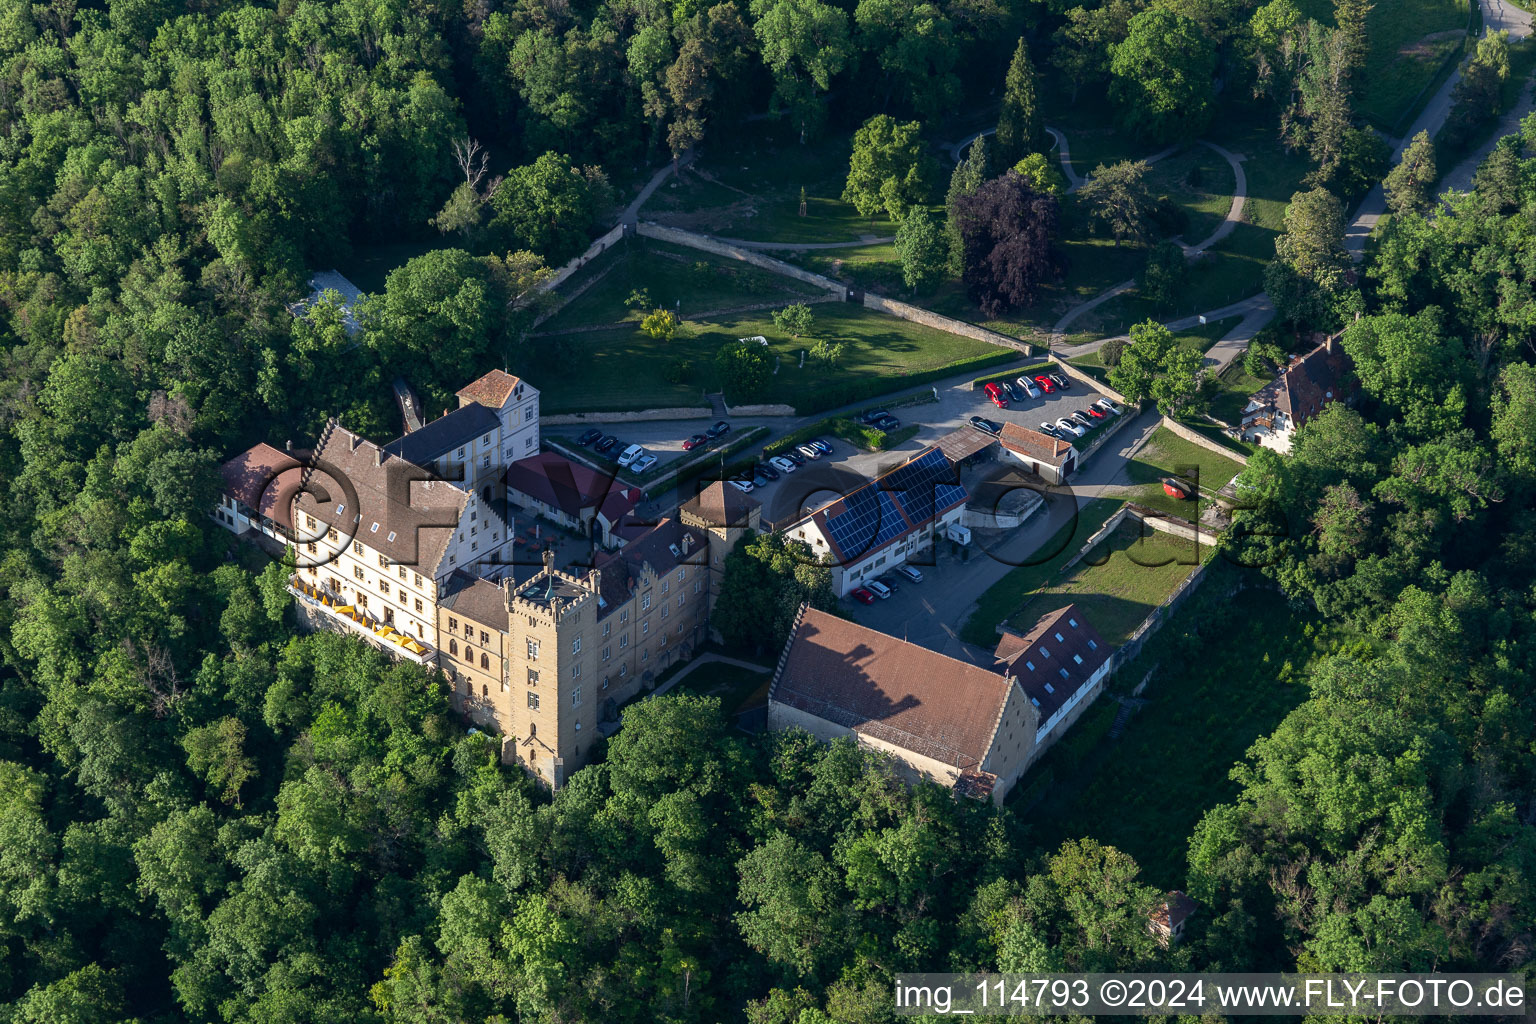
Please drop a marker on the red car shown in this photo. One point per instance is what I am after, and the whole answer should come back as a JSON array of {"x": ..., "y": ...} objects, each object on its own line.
[
  {"x": 694, "y": 441},
  {"x": 996, "y": 394},
  {"x": 1046, "y": 384},
  {"x": 863, "y": 596},
  {"x": 1096, "y": 413}
]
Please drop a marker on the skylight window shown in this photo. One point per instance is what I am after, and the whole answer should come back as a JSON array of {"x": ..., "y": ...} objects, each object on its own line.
[
  {"x": 374, "y": 528},
  {"x": 340, "y": 509},
  {"x": 1034, "y": 701},
  {"x": 1060, "y": 639},
  {"x": 1092, "y": 646},
  {"x": 1030, "y": 665},
  {"x": 1077, "y": 658},
  {"x": 391, "y": 535},
  {"x": 1072, "y": 623},
  {"x": 1044, "y": 653},
  {"x": 1049, "y": 688},
  {"x": 1063, "y": 672}
]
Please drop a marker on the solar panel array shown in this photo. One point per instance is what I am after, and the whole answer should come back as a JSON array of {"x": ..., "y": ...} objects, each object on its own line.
[
  {"x": 924, "y": 485},
  {"x": 870, "y": 517}
]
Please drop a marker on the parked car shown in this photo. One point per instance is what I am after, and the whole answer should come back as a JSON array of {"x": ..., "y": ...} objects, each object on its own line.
[
  {"x": 863, "y": 596},
  {"x": 1083, "y": 418},
  {"x": 694, "y": 442},
  {"x": 1050, "y": 428},
  {"x": 879, "y": 589},
  {"x": 1074, "y": 429},
  {"x": 886, "y": 423},
  {"x": 794, "y": 456},
  {"x": 810, "y": 451},
  {"x": 719, "y": 428},
  {"x": 589, "y": 437},
  {"x": 1014, "y": 393},
  {"x": 996, "y": 394},
  {"x": 888, "y": 581},
  {"x": 1046, "y": 384},
  {"x": 1108, "y": 406},
  {"x": 630, "y": 454},
  {"x": 910, "y": 572},
  {"x": 643, "y": 463},
  {"x": 767, "y": 470},
  {"x": 741, "y": 485},
  {"x": 1096, "y": 412},
  {"x": 822, "y": 446},
  {"x": 1030, "y": 387},
  {"x": 607, "y": 444},
  {"x": 988, "y": 426},
  {"x": 1062, "y": 381},
  {"x": 759, "y": 478},
  {"x": 874, "y": 415},
  {"x": 784, "y": 464}
]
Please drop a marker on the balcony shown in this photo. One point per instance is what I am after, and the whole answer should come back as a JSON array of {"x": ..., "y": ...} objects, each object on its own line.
[{"x": 357, "y": 620}]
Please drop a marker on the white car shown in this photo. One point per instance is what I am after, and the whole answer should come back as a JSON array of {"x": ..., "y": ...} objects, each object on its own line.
[
  {"x": 741, "y": 485},
  {"x": 1108, "y": 406},
  {"x": 630, "y": 454},
  {"x": 783, "y": 465},
  {"x": 911, "y": 573},
  {"x": 1076, "y": 429},
  {"x": 643, "y": 463},
  {"x": 810, "y": 451},
  {"x": 1030, "y": 387},
  {"x": 879, "y": 589}
]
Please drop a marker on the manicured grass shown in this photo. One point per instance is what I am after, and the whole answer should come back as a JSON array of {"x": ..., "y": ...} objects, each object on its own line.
[
  {"x": 683, "y": 280},
  {"x": 623, "y": 368},
  {"x": 1168, "y": 454},
  {"x": 1119, "y": 582},
  {"x": 1201, "y": 183},
  {"x": 1200, "y": 338},
  {"x": 1228, "y": 670},
  {"x": 1234, "y": 387},
  {"x": 1003, "y": 598},
  {"x": 1404, "y": 56}
]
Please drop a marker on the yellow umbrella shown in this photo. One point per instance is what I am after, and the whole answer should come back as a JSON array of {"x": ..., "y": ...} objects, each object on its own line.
[{"x": 345, "y": 609}]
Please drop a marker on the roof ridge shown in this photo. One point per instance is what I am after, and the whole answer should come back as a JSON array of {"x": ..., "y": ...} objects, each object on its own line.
[{"x": 794, "y": 631}]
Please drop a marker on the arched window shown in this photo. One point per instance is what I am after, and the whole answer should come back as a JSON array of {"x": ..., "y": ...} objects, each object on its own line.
[
  {"x": 485, "y": 691},
  {"x": 485, "y": 661},
  {"x": 453, "y": 647},
  {"x": 533, "y": 729}
]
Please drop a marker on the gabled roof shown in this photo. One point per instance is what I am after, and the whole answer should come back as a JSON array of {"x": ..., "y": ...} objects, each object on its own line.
[
  {"x": 387, "y": 503},
  {"x": 1168, "y": 915},
  {"x": 719, "y": 505},
  {"x": 663, "y": 548},
  {"x": 492, "y": 390},
  {"x": 476, "y": 599},
  {"x": 561, "y": 483},
  {"x": 883, "y": 511},
  {"x": 1034, "y": 445},
  {"x": 1308, "y": 385},
  {"x": 445, "y": 434},
  {"x": 264, "y": 479},
  {"x": 331, "y": 281},
  {"x": 1062, "y": 641},
  {"x": 891, "y": 690}
]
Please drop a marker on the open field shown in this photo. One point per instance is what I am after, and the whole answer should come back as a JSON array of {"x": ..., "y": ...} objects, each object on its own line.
[
  {"x": 1119, "y": 582},
  {"x": 1211, "y": 697},
  {"x": 1168, "y": 454},
  {"x": 623, "y": 368}
]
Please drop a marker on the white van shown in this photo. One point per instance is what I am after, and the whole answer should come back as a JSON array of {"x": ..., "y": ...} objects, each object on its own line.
[
  {"x": 879, "y": 589},
  {"x": 630, "y": 454},
  {"x": 910, "y": 573}
]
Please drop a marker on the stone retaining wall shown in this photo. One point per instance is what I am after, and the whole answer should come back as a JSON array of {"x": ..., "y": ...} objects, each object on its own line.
[
  {"x": 760, "y": 410},
  {"x": 695, "y": 241},
  {"x": 1092, "y": 382},
  {"x": 928, "y": 318},
  {"x": 596, "y": 249},
  {"x": 634, "y": 416},
  {"x": 1195, "y": 437}
]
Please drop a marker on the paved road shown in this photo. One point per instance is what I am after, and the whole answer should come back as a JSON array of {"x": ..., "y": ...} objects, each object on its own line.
[
  {"x": 1460, "y": 177},
  {"x": 930, "y": 613},
  {"x": 1497, "y": 15},
  {"x": 1256, "y": 311},
  {"x": 797, "y": 246}
]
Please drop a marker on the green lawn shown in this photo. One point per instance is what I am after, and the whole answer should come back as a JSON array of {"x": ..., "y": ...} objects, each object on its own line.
[
  {"x": 1201, "y": 183},
  {"x": 1168, "y": 454},
  {"x": 1409, "y": 41},
  {"x": 1228, "y": 669},
  {"x": 1234, "y": 387},
  {"x": 674, "y": 277},
  {"x": 1199, "y": 338},
  {"x": 1119, "y": 582},
  {"x": 1002, "y": 600},
  {"x": 736, "y": 687},
  {"x": 622, "y": 368}
]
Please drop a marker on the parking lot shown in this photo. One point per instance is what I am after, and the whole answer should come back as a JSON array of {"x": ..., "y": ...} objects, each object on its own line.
[{"x": 846, "y": 467}]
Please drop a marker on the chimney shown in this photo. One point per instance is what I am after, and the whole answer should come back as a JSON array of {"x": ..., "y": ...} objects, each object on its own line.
[
  {"x": 549, "y": 560},
  {"x": 288, "y": 445},
  {"x": 595, "y": 580},
  {"x": 378, "y": 456}
]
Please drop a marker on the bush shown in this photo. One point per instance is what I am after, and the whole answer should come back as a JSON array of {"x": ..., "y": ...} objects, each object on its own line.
[
  {"x": 679, "y": 371},
  {"x": 1111, "y": 351}
]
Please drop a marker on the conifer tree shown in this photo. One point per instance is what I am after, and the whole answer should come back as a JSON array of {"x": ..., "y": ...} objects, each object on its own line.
[{"x": 1018, "y": 125}]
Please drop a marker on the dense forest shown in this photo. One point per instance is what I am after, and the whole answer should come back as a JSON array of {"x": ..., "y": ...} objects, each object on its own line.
[{"x": 206, "y": 817}]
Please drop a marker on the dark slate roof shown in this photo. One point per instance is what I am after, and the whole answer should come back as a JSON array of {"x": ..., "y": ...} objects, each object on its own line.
[
  {"x": 444, "y": 434},
  {"x": 622, "y": 570},
  {"x": 363, "y": 486},
  {"x": 476, "y": 599},
  {"x": 1038, "y": 658},
  {"x": 1309, "y": 384},
  {"x": 264, "y": 479},
  {"x": 891, "y": 690}
]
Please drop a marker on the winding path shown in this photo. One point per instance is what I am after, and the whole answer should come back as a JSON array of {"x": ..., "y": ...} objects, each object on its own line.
[
  {"x": 1226, "y": 227},
  {"x": 862, "y": 240}
]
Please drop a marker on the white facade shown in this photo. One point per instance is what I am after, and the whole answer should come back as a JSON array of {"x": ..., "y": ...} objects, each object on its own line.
[{"x": 849, "y": 577}]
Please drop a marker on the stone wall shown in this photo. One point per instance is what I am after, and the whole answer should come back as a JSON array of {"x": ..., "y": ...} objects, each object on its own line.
[
  {"x": 686, "y": 412},
  {"x": 928, "y": 318},
  {"x": 1127, "y": 413},
  {"x": 1164, "y": 523},
  {"x": 594, "y": 250},
  {"x": 1195, "y": 437},
  {"x": 711, "y": 245},
  {"x": 1088, "y": 381},
  {"x": 760, "y": 410}
]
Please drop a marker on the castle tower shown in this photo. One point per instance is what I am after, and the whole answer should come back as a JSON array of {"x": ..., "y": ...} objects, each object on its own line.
[{"x": 725, "y": 515}]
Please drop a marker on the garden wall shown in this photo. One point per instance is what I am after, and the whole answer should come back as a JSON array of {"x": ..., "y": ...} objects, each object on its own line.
[
  {"x": 760, "y": 410},
  {"x": 928, "y": 318},
  {"x": 694, "y": 241},
  {"x": 1087, "y": 381},
  {"x": 594, "y": 250},
  {"x": 634, "y": 416},
  {"x": 1195, "y": 437}
]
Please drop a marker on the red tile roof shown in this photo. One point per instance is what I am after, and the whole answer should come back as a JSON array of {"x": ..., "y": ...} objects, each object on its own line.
[
  {"x": 492, "y": 390},
  {"x": 264, "y": 479},
  {"x": 891, "y": 690},
  {"x": 561, "y": 483},
  {"x": 1034, "y": 445}
]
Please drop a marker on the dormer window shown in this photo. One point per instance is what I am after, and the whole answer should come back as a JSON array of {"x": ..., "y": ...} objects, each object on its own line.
[
  {"x": 1060, "y": 639},
  {"x": 1044, "y": 653},
  {"x": 1049, "y": 688}
]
